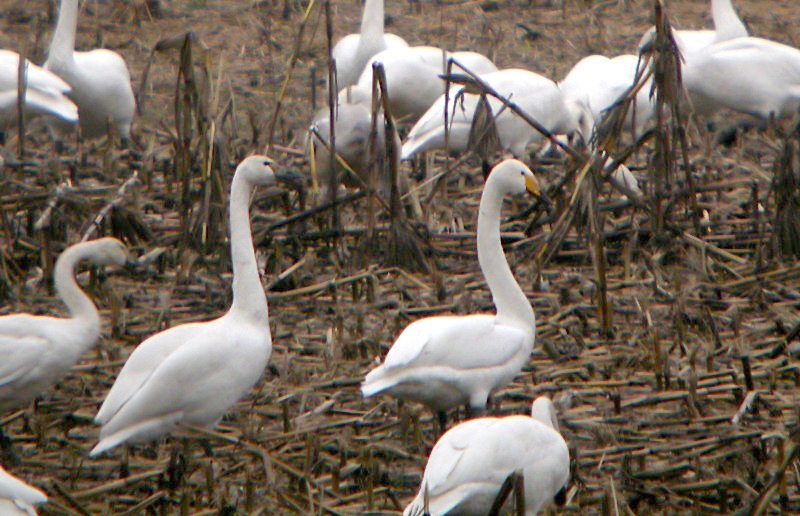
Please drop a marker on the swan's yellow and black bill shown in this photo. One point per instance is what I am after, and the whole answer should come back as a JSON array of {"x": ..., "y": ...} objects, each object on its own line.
[{"x": 532, "y": 185}]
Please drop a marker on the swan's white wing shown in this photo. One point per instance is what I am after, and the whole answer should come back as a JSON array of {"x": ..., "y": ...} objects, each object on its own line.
[
  {"x": 141, "y": 364},
  {"x": 20, "y": 356},
  {"x": 13, "y": 488},
  {"x": 458, "y": 342},
  {"x": 429, "y": 131},
  {"x": 196, "y": 383},
  {"x": 56, "y": 105}
]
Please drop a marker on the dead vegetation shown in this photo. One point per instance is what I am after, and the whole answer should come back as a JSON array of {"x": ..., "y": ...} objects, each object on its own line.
[{"x": 668, "y": 341}]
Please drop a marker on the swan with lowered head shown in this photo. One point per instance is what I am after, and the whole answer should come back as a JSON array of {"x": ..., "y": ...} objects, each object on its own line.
[
  {"x": 598, "y": 82},
  {"x": 193, "y": 373},
  {"x": 471, "y": 461},
  {"x": 536, "y": 95},
  {"x": 750, "y": 75},
  {"x": 352, "y": 52},
  {"x": 35, "y": 351},
  {"x": 412, "y": 77},
  {"x": 100, "y": 81},
  {"x": 18, "y": 498},
  {"x": 727, "y": 25},
  {"x": 45, "y": 93},
  {"x": 448, "y": 360}
]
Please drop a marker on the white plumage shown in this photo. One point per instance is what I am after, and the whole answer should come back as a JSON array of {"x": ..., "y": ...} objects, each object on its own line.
[
  {"x": 470, "y": 462},
  {"x": 598, "y": 82},
  {"x": 35, "y": 351},
  {"x": 445, "y": 361},
  {"x": 412, "y": 77},
  {"x": 536, "y": 95},
  {"x": 100, "y": 81},
  {"x": 18, "y": 498},
  {"x": 195, "y": 372},
  {"x": 750, "y": 75},
  {"x": 352, "y": 52},
  {"x": 727, "y": 25},
  {"x": 45, "y": 92}
]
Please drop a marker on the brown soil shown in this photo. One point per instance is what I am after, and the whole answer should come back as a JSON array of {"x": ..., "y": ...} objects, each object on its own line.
[{"x": 647, "y": 407}]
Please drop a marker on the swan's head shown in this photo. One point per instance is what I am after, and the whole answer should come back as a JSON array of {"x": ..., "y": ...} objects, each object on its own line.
[
  {"x": 258, "y": 170},
  {"x": 107, "y": 251},
  {"x": 544, "y": 412},
  {"x": 581, "y": 119},
  {"x": 514, "y": 177}
]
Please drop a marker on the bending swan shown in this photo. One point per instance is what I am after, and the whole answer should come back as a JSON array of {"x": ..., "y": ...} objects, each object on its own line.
[
  {"x": 35, "y": 351},
  {"x": 194, "y": 372},
  {"x": 448, "y": 360},
  {"x": 470, "y": 462}
]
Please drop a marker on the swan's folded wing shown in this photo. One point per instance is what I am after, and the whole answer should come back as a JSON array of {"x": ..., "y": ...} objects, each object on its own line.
[
  {"x": 19, "y": 356},
  {"x": 460, "y": 342},
  {"x": 141, "y": 364}
]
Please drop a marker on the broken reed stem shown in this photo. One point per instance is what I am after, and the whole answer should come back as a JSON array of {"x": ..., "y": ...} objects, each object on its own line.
[
  {"x": 22, "y": 87},
  {"x": 292, "y": 63},
  {"x": 333, "y": 183},
  {"x": 118, "y": 199}
]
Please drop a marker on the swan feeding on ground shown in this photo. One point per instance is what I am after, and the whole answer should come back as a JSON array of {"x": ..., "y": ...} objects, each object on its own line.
[
  {"x": 352, "y": 52},
  {"x": 35, "y": 351},
  {"x": 45, "y": 92},
  {"x": 412, "y": 77},
  {"x": 193, "y": 373},
  {"x": 18, "y": 498},
  {"x": 444, "y": 361},
  {"x": 534, "y": 94},
  {"x": 750, "y": 75},
  {"x": 470, "y": 462},
  {"x": 100, "y": 81},
  {"x": 599, "y": 82},
  {"x": 727, "y": 25}
]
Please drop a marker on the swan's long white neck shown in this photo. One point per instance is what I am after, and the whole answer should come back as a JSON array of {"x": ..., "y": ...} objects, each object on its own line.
[
  {"x": 248, "y": 294},
  {"x": 727, "y": 23},
  {"x": 372, "y": 22},
  {"x": 63, "y": 44},
  {"x": 78, "y": 303},
  {"x": 512, "y": 304}
]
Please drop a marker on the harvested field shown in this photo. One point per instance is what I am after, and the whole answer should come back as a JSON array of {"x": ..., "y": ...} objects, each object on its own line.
[{"x": 673, "y": 360}]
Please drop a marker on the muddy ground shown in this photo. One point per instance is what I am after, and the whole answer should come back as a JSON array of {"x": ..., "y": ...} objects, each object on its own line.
[{"x": 700, "y": 325}]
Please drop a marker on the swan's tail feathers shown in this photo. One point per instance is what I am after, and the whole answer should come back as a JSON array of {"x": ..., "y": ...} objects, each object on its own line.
[
  {"x": 376, "y": 382},
  {"x": 141, "y": 431}
]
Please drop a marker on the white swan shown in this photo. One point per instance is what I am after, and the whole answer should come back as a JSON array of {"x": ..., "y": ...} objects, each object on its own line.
[
  {"x": 750, "y": 75},
  {"x": 18, "y": 498},
  {"x": 448, "y": 360},
  {"x": 45, "y": 92},
  {"x": 470, "y": 462},
  {"x": 194, "y": 372},
  {"x": 35, "y": 351},
  {"x": 598, "y": 82},
  {"x": 100, "y": 81},
  {"x": 536, "y": 95},
  {"x": 727, "y": 25},
  {"x": 353, "y": 126},
  {"x": 412, "y": 77},
  {"x": 352, "y": 52}
]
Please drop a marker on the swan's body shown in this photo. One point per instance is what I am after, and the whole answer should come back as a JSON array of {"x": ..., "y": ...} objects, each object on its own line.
[
  {"x": 412, "y": 77},
  {"x": 352, "y": 52},
  {"x": 353, "y": 126},
  {"x": 727, "y": 25},
  {"x": 750, "y": 75},
  {"x": 470, "y": 462},
  {"x": 100, "y": 81},
  {"x": 18, "y": 498},
  {"x": 536, "y": 95},
  {"x": 599, "y": 82},
  {"x": 45, "y": 92},
  {"x": 35, "y": 351},
  {"x": 194, "y": 372},
  {"x": 445, "y": 361}
]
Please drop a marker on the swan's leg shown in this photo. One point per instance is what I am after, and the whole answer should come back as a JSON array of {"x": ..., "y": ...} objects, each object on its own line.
[
  {"x": 10, "y": 456},
  {"x": 441, "y": 417}
]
